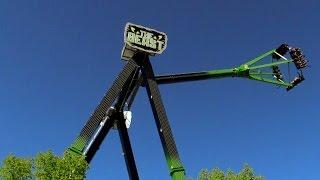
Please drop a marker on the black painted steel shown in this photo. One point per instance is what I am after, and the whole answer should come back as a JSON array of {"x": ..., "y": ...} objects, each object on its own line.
[
  {"x": 134, "y": 92},
  {"x": 100, "y": 112},
  {"x": 111, "y": 120},
  {"x": 126, "y": 147},
  {"x": 159, "y": 113},
  {"x": 121, "y": 126},
  {"x": 192, "y": 76},
  {"x": 174, "y": 78},
  {"x": 116, "y": 116},
  {"x": 99, "y": 139}
]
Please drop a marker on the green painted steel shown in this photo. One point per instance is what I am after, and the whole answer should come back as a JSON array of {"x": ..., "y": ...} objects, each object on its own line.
[
  {"x": 258, "y": 78},
  {"x": 177, "y": 171},
  {"x": 78, "y": 146},
  {"x": 271, "y": 64},
  {"x": 255, "y": 60},
  {"x": 248, "y": 70}
]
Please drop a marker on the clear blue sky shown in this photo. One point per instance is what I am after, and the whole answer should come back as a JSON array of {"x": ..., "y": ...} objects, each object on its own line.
[{"x": 57, "y": 58}]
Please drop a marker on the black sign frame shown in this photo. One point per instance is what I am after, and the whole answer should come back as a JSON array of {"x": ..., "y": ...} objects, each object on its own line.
[{"x": 145, "y": 39}]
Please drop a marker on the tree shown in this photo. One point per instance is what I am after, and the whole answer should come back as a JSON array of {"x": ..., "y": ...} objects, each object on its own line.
[
  {"x": 45, "y": 166},
  {"x": 246, "y": 173},
  {"x": 16, "y": 168},
  {"x": 69, "y": 166}
]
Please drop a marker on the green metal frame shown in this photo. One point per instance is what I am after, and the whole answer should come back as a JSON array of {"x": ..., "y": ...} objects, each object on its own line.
[
  {"x": 250, "y": 70},
  {"x": 255, "y": 75}
]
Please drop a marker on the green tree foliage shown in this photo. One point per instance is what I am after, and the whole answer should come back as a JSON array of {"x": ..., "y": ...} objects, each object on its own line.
[
  {"x": 45, "y": 166},
  {"x": 246, "y": 173},
  {"x": 15, "y": 168},
  {"x": 48, "y": 166}
]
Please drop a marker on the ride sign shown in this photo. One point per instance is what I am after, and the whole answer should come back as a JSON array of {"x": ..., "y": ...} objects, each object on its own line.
[{"x": 139, "y": 38}]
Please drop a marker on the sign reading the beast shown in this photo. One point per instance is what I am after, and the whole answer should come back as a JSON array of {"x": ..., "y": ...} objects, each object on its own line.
[{"x": 145, "y": 39}]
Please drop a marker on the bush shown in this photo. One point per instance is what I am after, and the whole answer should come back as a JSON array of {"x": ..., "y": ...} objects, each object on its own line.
[{"x": 246, "y": 173}]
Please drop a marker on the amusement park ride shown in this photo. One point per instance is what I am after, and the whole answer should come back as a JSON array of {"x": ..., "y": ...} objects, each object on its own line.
[{"x": 114, "y": 109}]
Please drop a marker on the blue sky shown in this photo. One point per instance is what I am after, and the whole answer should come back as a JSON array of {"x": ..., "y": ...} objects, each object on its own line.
[{"x": 57, "y": 58}]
